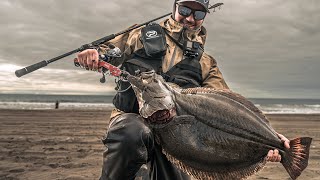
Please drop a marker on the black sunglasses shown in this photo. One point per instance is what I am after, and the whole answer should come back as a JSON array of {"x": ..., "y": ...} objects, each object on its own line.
[{"x": 186, "y": 12}]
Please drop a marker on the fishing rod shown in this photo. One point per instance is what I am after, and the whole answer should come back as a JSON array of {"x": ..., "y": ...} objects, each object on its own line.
[{"x": 41, "y": 64}]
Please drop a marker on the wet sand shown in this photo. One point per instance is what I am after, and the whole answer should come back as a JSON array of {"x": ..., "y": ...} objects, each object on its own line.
[{"x": 65, "y": 144}]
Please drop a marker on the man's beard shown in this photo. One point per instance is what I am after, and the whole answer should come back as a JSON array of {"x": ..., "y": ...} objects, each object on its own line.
[{"x": 189, "y": 25}]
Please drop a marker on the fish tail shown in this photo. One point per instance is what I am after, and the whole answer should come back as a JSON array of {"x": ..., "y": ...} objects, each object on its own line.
[{"x": 295, "y": 160}]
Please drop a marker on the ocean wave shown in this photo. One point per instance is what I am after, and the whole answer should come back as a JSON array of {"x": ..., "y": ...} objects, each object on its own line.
[
  {"x": 313, "y": 105},
  {"x": 290, "y": 109}
]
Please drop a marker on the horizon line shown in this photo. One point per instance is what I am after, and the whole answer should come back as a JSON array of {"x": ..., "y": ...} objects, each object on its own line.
[{"x": 110, "y": 94}]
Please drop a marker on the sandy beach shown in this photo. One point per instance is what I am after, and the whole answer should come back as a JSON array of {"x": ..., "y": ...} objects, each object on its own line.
[{"x": 65, "y": 144}]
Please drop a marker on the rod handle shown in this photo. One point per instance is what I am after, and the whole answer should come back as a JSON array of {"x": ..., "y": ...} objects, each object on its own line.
[{"x": 31, "y": 68}]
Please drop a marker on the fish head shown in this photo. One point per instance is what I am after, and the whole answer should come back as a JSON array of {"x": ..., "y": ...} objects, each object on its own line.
[{"x": 154, "y": 95}]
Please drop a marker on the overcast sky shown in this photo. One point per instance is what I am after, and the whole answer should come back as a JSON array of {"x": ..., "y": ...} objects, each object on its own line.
[{"x": 264, "y": 48}]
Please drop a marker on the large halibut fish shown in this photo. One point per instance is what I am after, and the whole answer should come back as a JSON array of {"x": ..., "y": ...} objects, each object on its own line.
[{"x": 213, "y": 134}]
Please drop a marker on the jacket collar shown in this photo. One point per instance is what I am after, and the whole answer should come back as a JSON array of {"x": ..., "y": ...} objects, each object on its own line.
[{"x": 175, "y": 28}]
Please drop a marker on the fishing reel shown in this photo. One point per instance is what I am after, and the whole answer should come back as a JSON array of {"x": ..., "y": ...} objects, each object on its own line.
[
  {"x": 104, "y": 65},
  {"x": 108, "y": 69}
]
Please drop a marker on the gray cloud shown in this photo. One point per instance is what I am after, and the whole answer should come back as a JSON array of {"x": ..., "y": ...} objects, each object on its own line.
[
  {"x": 264, "y": 48},
  {"x": 269, "y": 48}
]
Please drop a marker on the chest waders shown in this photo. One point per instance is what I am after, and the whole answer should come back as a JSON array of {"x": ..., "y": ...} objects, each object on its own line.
[
  {"x": 187, "y": 73},
  {"x": 129, "y": 140}
]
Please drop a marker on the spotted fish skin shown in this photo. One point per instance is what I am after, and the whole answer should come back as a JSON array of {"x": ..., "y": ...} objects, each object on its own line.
[{"x": 214, "y": 134}]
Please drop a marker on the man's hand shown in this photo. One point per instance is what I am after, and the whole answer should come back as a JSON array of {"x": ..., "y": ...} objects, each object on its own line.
[
  {"x": 273, "y": 155},
  {"x": 89, "y": 59}
]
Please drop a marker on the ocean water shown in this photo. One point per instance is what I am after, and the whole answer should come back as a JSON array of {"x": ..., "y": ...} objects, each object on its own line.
[
  {"x": 31, "y": 101},
  {"x": 288, "y": 106}
]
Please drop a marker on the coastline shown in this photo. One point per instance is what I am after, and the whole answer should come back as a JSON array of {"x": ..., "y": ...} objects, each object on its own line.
[{"x": 66, "y": 143}]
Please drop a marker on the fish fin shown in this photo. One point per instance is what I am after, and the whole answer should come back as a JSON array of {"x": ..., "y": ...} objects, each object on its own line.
[
  {"x": 296, "y": 158},
  {"x": 228, "y": 94},
  {"x": 242, "y": 173}
]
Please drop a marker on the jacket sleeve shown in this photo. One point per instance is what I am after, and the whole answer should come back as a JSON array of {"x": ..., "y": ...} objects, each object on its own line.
[
  {"x": 214, "y": 78},
  {"x": 127, "y": 43}
]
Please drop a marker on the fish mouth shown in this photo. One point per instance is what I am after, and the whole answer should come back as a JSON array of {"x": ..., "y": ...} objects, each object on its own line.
[{"x": 162, "y": 116}]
